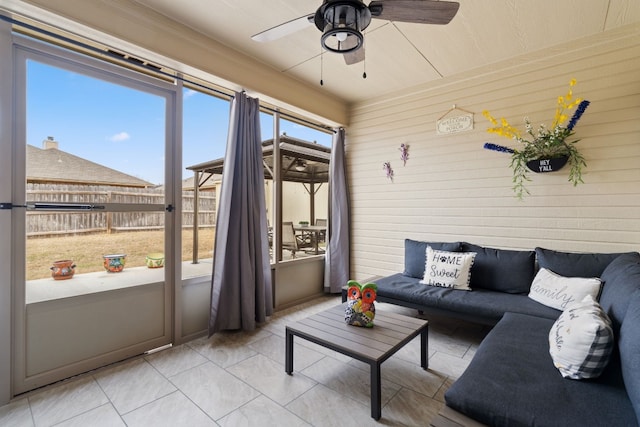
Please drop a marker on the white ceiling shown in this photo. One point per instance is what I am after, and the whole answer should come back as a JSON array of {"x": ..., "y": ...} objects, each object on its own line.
[{"x": 400, "y": 55}]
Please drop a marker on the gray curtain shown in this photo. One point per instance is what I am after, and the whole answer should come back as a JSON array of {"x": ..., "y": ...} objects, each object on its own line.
[
  {"x": 336, "y": 266},
  {"x": 241, "y": 292}
]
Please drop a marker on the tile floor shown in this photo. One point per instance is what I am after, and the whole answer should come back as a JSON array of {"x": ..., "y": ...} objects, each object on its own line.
[{"x": 238, "y": 379}]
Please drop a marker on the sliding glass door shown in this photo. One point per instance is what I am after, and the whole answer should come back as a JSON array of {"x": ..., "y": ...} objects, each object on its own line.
[{"x": 94, "y": 213}]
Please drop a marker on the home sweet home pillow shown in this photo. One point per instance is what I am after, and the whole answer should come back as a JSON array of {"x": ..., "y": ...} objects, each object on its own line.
[
  {"x": 559, "y": 292},
  {"x": 581, "y": 340},
  {"x": 448, "y": 269}
]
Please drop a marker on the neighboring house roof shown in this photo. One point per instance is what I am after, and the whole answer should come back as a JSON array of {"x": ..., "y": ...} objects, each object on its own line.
[{"x": 54, "y": 165}]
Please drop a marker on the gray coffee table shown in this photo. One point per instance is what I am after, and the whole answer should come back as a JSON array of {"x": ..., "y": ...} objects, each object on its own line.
[{"x": 391, "y": 331}]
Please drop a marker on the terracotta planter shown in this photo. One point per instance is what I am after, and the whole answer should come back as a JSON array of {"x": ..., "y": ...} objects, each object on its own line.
[
  {"x": 63, "y": 269},
  {"x": 547, "y": 165}
]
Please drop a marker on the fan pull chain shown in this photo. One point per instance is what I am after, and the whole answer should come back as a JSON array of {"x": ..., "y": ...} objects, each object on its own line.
[
  {"x": 364, "y": 63},
  {"x": 321, "y": 67}
]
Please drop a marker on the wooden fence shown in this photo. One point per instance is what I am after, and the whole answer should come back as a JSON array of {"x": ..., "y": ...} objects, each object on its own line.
[{"x": 46, "y": 223}]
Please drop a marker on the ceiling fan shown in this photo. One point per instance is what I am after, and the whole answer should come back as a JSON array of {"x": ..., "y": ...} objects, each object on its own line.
[{"x": 342, "y": 21}]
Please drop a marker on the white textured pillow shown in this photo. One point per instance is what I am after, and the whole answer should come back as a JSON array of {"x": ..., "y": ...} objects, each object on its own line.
[
  {"x": 581, "y": 340},
  {"x": 448, "y": 269},
  {"x": 559, "y": 292}
]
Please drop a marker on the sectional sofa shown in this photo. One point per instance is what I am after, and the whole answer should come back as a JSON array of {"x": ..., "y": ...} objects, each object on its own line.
[{"x": 530, "y": 298}]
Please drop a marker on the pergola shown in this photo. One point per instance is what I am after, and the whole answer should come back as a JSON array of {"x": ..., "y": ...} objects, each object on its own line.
[{"x": 300, "y": 161}]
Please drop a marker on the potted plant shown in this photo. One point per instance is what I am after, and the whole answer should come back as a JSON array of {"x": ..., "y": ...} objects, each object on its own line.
[{"x": 545, "y": 149}]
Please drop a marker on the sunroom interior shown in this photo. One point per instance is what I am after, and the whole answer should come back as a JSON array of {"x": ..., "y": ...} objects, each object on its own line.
[{"x": 511, "y": 59}]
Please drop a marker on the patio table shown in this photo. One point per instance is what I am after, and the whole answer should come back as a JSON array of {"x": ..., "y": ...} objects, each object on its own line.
[
  {"x": 391, "y": 331},
  {"x": 314, "y": 232}
]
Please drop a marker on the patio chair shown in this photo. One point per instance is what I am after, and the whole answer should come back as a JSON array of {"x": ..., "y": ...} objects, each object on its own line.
[
  {"x": 289, "y": 241},
  {"x": 322, "y": 236}
]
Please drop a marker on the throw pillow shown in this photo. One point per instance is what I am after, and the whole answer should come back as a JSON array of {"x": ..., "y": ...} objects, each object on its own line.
[
  {"x": 414, "y": 255},
  {"x": 559, "y": 292},
  {"x": 448, "y": 269},
  {"x": 501, "y": 270},
  {"x": 621, "y": 279},
  {"x": 573, "y": 264},
  {"x": 581, "y": 340}
]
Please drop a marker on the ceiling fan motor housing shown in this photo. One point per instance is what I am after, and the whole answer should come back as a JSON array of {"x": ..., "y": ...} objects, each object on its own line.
[{"x": 341, "y": 23}]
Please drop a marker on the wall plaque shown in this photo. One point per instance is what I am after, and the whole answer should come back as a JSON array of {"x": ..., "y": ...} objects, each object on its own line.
[
  {"x": 547, "y": 165},
  {"x": 454, "y": 124}
]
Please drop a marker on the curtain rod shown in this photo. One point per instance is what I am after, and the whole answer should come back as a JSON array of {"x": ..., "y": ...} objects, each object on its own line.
[
  {"x": 107, "y": 52},
  {"x": 300, "y": 119},
  {"x": 151, "y": 68}
]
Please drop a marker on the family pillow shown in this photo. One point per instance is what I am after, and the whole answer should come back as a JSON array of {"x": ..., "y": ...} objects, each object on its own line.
[
  {"x": 559, "y": 292},
  {"x": 448, "y": 269},
  {"x": 581, "y": 340}
]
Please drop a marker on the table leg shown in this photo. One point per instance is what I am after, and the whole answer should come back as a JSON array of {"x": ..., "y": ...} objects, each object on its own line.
[
  {"x": 288, "y": 358},
  {"x": 376, "y": 392},
  {"x": 424, "y": 347}
]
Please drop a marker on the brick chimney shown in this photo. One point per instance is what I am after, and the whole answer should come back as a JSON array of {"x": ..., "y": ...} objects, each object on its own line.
[{"x": 50, "y": 143}]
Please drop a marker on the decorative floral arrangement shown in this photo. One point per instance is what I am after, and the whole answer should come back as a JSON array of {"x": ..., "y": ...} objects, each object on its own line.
[
  {"x": 404, "y": 153},
  {"x": 543, "y": 143},
  {"x": 388, "y": 170}
]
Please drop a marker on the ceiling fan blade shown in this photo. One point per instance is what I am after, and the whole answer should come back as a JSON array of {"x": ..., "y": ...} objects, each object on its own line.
[
  {"x": 354, "y": 57},
  {"x": 418, "y": 11},
  {"x": 284, "y": 29}
]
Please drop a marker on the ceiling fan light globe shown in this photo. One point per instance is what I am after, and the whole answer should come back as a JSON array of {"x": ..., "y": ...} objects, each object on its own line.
[{"x": 351, "y": 40}]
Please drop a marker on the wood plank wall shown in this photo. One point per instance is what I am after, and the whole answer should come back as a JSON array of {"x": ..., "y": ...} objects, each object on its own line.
[{"x": 452, "y": 189}]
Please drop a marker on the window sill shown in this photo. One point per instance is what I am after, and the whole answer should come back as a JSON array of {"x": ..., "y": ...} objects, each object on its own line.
[{"x": 90, "y": 283}]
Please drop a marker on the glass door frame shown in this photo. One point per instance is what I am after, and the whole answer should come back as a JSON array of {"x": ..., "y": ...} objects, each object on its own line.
[{"x": 25, "y": 49}]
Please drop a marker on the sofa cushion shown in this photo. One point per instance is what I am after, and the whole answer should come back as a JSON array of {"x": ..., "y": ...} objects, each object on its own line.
[
  {"x": 621, "y": 279},
  {"x": 415, "y": 255},
  {"x": 500, "y": 269},
  {"x": 512, "y": 372},
  {"x": 479, "y": 304},
  {"x": 448, "y": 269},
  {"x": 575, "y": 264},
  {"x": 629, "y": 346},
  {"x": 559, "y": 292},
  {"x": 581, "y": 340}
]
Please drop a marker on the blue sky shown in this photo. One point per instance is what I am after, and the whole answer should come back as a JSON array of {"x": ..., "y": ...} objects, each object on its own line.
[{"x": 123, "y": 128}]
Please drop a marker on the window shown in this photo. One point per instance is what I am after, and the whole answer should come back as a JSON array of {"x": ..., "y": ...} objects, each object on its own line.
[{"x": 204, "y": 138}]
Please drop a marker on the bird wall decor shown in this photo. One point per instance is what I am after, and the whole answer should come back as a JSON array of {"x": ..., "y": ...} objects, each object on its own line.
[{"x": 360, "y": 310}]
